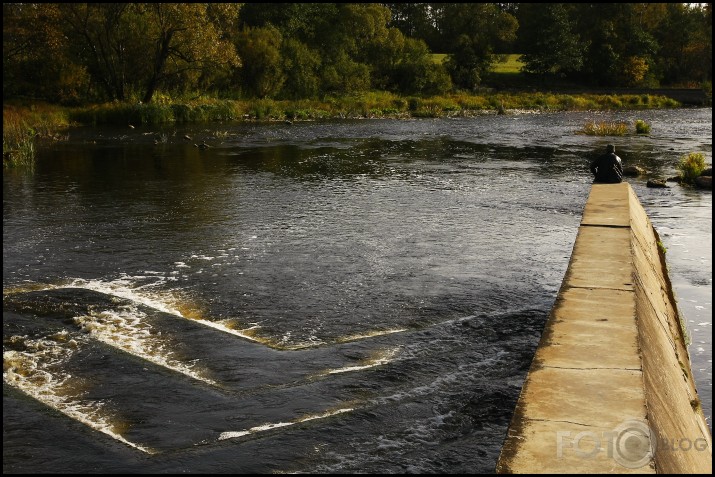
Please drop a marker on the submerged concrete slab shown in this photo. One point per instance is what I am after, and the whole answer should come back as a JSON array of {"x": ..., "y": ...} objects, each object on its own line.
[{"x": 610, "y": 388}]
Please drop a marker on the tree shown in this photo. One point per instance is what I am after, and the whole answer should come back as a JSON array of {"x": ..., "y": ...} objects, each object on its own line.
[
  {"x": 471, "y": 31},
  {"x": 35, "y": 55},
  {"x": 260, "y": 48},
  {"x": 300, "y": 66},
  {"x": 100, "y": 39},
  {"x": 415, "y": 20},
  {"x": 685, "y": 38},
  {"x": 550, "y": 44},
  {"x": 144, "y": 46},
  {"x": 620, "y": 49},
  {"x": 305, "y": 22},
  {"x": 185, "y": 39},
  {"x": 416, "y": 73}
]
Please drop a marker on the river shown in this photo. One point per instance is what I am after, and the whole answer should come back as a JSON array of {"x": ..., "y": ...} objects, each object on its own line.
[{"x": 354, "y": 296}]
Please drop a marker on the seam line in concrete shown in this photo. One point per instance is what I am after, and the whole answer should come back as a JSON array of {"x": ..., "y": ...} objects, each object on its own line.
[
  {"x": 592, "y": 368},
  {"x": 599, "y": 288},
  {"x": 558, "y": 420},
  {"x": 608, "y": 226}
]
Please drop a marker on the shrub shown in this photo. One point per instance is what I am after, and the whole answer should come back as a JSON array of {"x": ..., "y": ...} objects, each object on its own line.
[
  {"x": 690, "y": 167},
  {"x": 642, "y": 127}
]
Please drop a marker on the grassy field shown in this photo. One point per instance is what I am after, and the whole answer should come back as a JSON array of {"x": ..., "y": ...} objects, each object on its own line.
[
  {"x": 438, "y": 58},
  {"x": 511, "y": 63}
]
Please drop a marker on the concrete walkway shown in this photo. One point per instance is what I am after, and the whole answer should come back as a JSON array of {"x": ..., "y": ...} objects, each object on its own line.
[{"x": 610, "y": 388}]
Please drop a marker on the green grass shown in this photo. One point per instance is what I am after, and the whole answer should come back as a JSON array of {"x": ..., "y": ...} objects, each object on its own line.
[
  {"x": 438, "y": 58},
  {"x": 661, "y": 247},
  {"x": 508, "y": 64}
]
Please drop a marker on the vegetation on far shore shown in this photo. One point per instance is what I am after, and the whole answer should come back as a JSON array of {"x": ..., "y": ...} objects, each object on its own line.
[
  {"x": 150, "y": 64},
  {"x": 24, "y": 122}
]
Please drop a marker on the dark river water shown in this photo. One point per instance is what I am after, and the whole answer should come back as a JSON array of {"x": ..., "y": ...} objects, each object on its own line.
[{"x": 321, "y": 297}]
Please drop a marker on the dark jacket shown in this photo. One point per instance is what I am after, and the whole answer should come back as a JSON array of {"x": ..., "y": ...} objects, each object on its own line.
[{"x": 607, "y": 168}]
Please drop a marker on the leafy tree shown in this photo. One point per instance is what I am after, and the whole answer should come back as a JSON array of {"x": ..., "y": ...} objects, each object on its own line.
[
  {"x": 385, "y": 55},
  {"x": 551, "y": 46},
  {"x": 144, "y": 46},
  {"x": 471, "y": 31},
  {"x": 415, "y": 20},
  {"x": 184, "y": 39},
  {"x": 262, "y": 73},
  {"x": 467, "y": 64},
  {"x": 100, "y": 38},
  {"x": 344, "y": 75},
  {"x": 306, "y": 22},
  {"x": 685, "y": 38},
  {"x": 72, "y": 52},
  {"x": 300, "y": 66},
  {"x": 416, "y": 73},
  {"x": 620, "y": 49},
  {"x": 35, "y": 60}
]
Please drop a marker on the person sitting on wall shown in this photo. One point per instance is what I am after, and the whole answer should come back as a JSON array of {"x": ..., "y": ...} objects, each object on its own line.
[{"x": 608, "y": 168}]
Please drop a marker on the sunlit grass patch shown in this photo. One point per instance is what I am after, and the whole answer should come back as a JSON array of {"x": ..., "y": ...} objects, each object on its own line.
[
  {"x": 510, "y": 63},
  {"x": 438, "y": 58}
]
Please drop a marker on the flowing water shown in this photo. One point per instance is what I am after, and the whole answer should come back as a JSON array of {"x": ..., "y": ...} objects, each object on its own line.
[{"x": 317, "y": 297}]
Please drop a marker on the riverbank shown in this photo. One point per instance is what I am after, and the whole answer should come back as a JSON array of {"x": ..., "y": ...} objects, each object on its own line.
[{"x": 25, "y": 122}]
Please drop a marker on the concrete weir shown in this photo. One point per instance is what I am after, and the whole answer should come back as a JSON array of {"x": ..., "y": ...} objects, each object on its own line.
[{"x": 610, "y": 389}]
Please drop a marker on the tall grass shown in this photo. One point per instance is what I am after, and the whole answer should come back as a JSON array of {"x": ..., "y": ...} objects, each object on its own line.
[
  {"x": 605, "y": 128},
  {"x": 22, "y": 125}
]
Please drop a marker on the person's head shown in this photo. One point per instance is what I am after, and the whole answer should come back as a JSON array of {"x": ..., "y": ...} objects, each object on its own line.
[{"x": 610, "y": 149}]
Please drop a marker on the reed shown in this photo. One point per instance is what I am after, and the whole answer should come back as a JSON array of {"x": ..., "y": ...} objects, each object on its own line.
[{"x": 23, "y": 125}]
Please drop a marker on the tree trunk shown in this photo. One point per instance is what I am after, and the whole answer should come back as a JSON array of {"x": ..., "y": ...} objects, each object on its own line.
[{"x": 158, "y": 67}]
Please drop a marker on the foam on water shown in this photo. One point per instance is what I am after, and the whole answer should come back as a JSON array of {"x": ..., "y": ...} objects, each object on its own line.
[
  {"x": 381, "y": 358},
  {"x": 35, "y": 372},
  {"x": 372, "y": 334},
  {"x": 128, "y": 330},
  {"x": 276, "y": 425},
  {"x": 147, "y": 290}
]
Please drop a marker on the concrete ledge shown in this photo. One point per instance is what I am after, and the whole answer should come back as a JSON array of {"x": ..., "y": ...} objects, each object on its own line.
[{"x": 610, "y": 389}]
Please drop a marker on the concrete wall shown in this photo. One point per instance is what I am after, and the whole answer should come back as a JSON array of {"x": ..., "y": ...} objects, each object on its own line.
[{"x": 610, "y": 389}]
